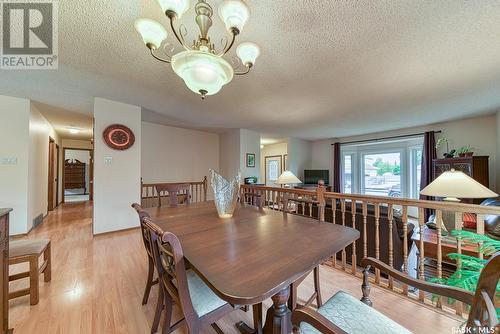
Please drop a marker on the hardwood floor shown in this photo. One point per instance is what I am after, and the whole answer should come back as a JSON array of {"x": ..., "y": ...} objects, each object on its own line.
[{"x": 97, "y": 285}]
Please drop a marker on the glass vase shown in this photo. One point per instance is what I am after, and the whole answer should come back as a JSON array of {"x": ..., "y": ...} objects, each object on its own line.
[{"x": 225, "y": 193}]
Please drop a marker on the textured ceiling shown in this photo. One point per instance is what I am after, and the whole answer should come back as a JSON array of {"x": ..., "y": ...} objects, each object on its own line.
[{"x": 327, "y": 68}]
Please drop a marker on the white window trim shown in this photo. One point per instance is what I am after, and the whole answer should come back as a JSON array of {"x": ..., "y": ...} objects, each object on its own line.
[{"x": 405, "y": 147}]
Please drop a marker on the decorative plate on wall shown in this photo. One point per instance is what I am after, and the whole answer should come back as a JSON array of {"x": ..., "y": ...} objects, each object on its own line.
[{"x": 118, "y": 137}]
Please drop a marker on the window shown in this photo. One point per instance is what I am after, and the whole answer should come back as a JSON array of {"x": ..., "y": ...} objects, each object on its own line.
[{"x": 388, "y": 168}]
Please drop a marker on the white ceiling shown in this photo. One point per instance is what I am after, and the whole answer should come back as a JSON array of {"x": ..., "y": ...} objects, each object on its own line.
[{"x": 327, "y": 69}]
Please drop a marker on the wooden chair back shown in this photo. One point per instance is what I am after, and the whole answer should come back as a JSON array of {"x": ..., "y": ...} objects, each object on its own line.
[
  {"x": 146, "y": 236},
  {"x": 483, "y": 312},
  {"x": 174, "y": 190},
  {"x": 170, "y": 264}
]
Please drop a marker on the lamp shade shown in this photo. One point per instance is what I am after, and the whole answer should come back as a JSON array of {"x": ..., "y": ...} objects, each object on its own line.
[
  {"x": 203, "y": 72},
  {"x": 288, "y": 177},
  {"x": 234, "y": 13},
  {"x": 456, "y": 184},
  {"x": 248, "y": 53},
  {"x": 179, "y": 7},
  {"x": 152, "y": 32}
]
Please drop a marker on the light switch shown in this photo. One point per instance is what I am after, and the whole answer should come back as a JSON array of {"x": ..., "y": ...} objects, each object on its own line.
[
  {"x": 108, "y": 160},
  {"x": 8, "y": 161}
]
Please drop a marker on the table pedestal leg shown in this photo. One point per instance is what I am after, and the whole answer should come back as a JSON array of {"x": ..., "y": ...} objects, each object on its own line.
[{"x": 279, "y": 317}]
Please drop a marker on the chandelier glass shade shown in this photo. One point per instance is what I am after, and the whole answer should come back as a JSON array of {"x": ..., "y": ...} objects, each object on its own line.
[{"x": 203, "y": 68}]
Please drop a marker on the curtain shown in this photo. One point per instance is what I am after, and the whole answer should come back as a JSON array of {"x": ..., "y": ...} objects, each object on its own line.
[
  {"x": 336, "y": 167},
  {"x": 428, "y": 154}
]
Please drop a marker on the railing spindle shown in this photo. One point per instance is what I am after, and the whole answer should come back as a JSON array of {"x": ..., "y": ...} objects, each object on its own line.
[
  {"x": 334, "y": 210},
  {"x": 405, "y": 245},
  {"x": 377, "y": 239},
  {"x": 458, "y": 226},
  {"x": 390, "y": 216},
  {"x": 421, "y": 223},
  {"x": 353, "y": 257},
  {"x": 342, "y": 210},
  {"x": 439, "y": 228},
  {"x": 365, "y": 235}
]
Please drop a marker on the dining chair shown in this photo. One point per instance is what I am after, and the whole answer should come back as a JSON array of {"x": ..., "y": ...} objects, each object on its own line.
[
  {"x": 343, "y": 313},
  {"x": 146, "y": 238},
  {"x": 200, "y": 305},
  {"x": 292, "y": 301},
  {"x": 29, "y": 250},
  {"x": 175, "y": 190}
]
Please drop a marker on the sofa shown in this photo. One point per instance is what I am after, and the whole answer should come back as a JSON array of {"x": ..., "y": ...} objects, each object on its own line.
[{"x": 397, "y": 232}]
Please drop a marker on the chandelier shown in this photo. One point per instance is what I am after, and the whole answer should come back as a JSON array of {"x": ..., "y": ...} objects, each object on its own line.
[{"x": 201, "y": 66}]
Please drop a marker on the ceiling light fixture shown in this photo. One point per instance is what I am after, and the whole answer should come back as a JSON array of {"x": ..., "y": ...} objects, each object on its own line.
[
  {"x": 203, "y": 69},
  {"x": 74, "y": 131}
]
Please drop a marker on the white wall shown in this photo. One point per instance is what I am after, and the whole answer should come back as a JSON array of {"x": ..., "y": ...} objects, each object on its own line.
[
  {"x": 270, "y": 150},
  {"x": 498, "y": 152},
  {"x": 175, "y": 155},
  {"x": 479, "y": 132},
  {"x": 14, "y": 136},
  {"x": 249, "y": 143},
  {"x": 117, "y": 184},
  {"x": 39, "y": 131},
  {"x": 299, "y": 156},
  {"x": 229, "y": 153},
  {"x": 77, "y": 143}
]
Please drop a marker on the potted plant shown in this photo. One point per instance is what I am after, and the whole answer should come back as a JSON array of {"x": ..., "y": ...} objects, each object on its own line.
[
  {"x": 448, "y": 154},
  {"x": 465, "y": 151},
  {"x": 469, "y": 267}
]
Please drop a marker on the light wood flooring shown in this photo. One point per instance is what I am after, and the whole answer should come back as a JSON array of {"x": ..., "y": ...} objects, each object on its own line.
[{"x": 97, "y": 285}]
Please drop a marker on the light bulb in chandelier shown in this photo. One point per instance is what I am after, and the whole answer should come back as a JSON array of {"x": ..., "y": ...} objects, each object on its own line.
[
  {"x": 248, "y": 53},
  {"x": 235, "y": 14},
  {"x": 152, "y": 33},
  {"x": 178, "y": 7}
]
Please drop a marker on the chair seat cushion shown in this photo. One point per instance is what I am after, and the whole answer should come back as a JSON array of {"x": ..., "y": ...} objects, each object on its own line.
[
  {"x": 27, "y": 247},
  {"x": 203, "y": 298},
  {"x": 353, "y": 316}
]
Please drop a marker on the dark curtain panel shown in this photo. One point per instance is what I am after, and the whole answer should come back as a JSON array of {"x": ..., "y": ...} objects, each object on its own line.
[
  {"x": 336, "y": 167},
  {"x": 428, "y": 154}
]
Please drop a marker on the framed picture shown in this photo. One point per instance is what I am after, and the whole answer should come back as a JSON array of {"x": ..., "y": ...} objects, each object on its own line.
[{"x": 250, "y": 159}]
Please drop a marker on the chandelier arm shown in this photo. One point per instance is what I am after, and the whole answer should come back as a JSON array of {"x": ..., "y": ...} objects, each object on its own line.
[
  {"x": 177, "y": 35},
  {"x": 248, "y": 67},
  {"x": 164, "y": 60},
  {"x": 228, "y": 47}
]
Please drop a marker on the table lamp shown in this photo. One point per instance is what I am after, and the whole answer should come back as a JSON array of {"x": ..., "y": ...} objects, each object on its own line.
[
  {"x": 287, "y": 178},
  {"x": 452, "y": 185}
]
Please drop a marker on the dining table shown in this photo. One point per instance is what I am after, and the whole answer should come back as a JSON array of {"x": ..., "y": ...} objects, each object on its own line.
[{"x": 254, "y": 255}]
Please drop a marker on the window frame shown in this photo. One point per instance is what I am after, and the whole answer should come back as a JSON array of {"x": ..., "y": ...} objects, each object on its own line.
[{"x": 405, "y": 147}]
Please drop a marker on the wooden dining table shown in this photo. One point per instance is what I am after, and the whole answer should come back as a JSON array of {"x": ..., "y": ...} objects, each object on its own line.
[{"x": 254, "y": 255}]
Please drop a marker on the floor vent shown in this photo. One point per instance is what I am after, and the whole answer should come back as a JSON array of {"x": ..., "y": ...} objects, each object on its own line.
[{"x": 38, "y": 220}]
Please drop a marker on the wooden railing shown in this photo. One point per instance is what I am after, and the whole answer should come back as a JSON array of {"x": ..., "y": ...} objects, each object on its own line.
[
  {"x": 383, "y": 215},
  {"x": 150, "y": 198}
]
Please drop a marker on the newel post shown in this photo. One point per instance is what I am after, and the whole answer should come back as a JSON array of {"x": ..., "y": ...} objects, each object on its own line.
[
  {"x": 205, "y": 188},
  {"x": 320, "y": 195}
]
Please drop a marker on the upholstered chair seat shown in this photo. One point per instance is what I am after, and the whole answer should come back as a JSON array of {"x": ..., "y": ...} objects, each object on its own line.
[
  {"x": 27, "y": 247},
  {"x": 203, "y": 298},
  {"x": 353, "y": 316}
]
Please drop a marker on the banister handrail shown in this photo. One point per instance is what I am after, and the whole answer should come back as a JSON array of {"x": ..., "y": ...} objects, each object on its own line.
[{"x": 434, "y": 205}]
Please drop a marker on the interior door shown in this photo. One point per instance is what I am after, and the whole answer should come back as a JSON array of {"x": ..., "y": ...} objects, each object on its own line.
[
  {"x": 274, "y": 168},
  {"x": 52, "y": 176},
  {"x": 91, "y": 175}
]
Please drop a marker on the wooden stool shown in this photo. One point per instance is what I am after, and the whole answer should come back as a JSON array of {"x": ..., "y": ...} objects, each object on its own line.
[{"x": 21, "y": 251}]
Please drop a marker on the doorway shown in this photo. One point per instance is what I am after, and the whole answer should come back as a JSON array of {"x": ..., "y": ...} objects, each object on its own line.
[
  {"x": 78, "y": 175},
  {"x": 274, "y": 168},
  {"x": 53, "y": 180}
]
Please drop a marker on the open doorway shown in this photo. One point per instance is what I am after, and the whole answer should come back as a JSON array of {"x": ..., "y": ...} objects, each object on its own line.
[{"x": 78, "y": 175}]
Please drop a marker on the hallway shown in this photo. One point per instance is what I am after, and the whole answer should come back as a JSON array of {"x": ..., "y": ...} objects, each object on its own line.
[{"x": 97, "y": 285}]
